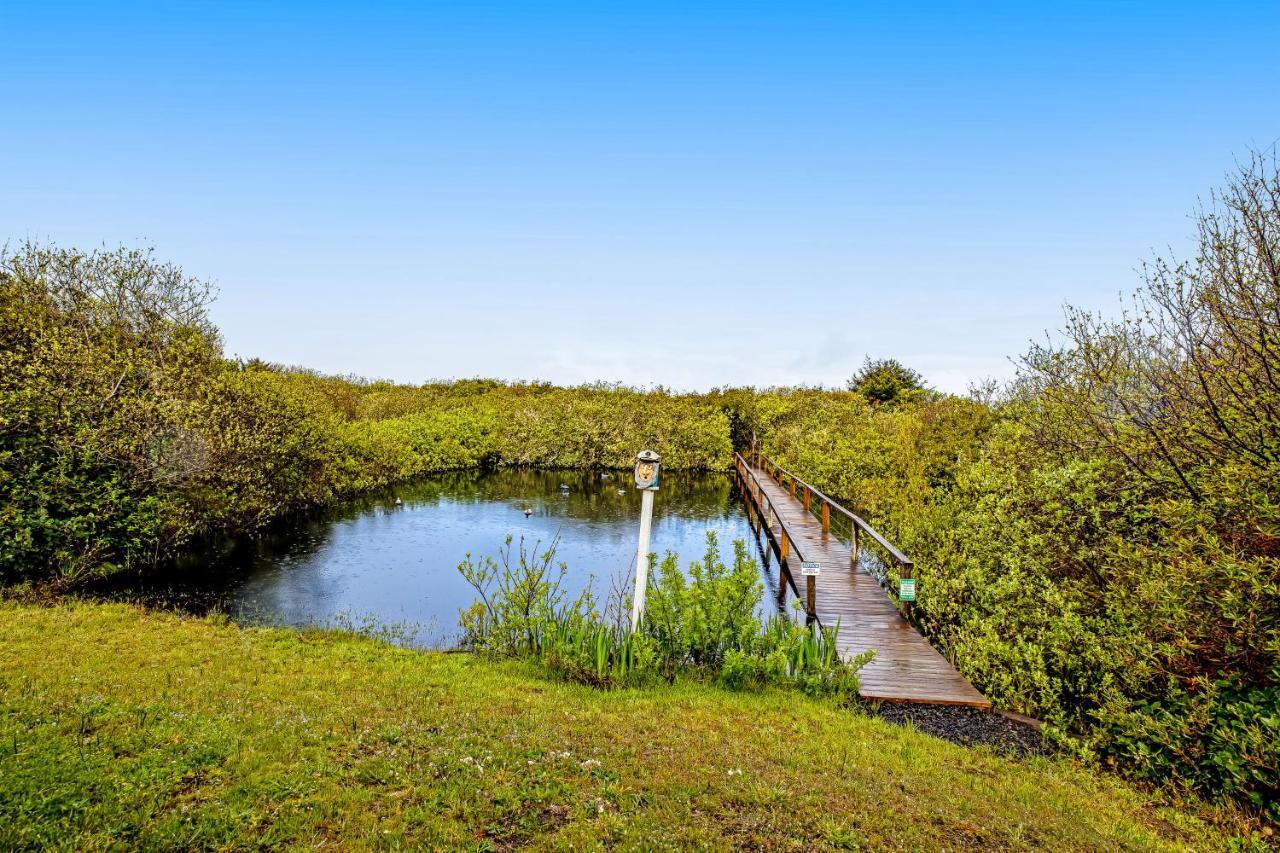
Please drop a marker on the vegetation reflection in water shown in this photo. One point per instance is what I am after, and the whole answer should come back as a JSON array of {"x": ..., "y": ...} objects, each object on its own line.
[{"x": 378, "y": 565}]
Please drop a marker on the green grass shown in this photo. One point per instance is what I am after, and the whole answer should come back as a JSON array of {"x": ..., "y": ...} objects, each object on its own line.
[{"x": 122, "y": 728}]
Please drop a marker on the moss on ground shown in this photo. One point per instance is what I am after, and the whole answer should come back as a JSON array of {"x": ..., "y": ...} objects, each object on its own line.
[{"x": 124, "y": 728}]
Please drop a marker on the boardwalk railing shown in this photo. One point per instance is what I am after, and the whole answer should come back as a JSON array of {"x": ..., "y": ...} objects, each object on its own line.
[
  {"x": 796, "y": 520},
  {"x": 807, "y": 494}
]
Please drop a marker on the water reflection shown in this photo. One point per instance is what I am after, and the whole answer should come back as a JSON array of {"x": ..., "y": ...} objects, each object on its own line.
[{"x": 391, "y": 558}]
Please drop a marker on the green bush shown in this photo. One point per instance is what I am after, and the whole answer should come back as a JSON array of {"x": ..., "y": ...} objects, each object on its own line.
[
  {"x": 886, "y": 381},
  {"x": 125, "y": 435},
  {"x": 1102, "y": 548},
  {"x": 97, "y": 352},
  {"x": 701, "y": 626},
  {"x": 1223, "y": 735}
]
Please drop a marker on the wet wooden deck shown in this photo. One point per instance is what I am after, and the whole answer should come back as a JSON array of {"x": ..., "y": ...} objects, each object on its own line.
[{"x": 906, "y": 667}]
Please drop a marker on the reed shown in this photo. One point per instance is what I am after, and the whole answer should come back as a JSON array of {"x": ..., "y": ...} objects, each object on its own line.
[{"x": 703, "y": 624}]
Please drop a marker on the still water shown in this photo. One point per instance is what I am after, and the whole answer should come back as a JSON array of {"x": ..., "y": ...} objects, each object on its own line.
[{"x": 390, "y": 559}]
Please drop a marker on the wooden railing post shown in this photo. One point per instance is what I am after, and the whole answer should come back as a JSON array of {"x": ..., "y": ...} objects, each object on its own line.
[
  {"x": 766, "y": 515},
  {"x": 907, "y": 571},
  {"x": 811, "y": 598}
]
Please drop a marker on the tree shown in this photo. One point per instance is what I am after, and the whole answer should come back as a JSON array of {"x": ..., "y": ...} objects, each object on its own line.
[
  {"x": 886, "y": 380},
  {"x": 1186, "y": 384}
]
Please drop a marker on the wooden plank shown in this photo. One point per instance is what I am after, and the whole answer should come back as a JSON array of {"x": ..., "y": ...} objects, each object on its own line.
[{"x": 906, "y": 667}]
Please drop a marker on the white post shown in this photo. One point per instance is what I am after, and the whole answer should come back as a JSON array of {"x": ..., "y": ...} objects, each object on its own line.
[{"x": 642, "y": 557}]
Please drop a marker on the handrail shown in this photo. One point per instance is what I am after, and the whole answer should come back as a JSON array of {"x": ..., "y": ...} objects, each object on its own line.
[
  {"x": 897, "y": 555},
  {"x": 746, "y": 470},
  {"x": 903, "y": 561}
]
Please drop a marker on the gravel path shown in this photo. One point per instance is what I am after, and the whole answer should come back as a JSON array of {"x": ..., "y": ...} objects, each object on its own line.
[{"x": 965, "y": 726}]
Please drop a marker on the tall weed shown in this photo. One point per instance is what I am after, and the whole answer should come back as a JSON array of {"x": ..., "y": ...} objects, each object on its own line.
[{"x": 703, "y": 625}]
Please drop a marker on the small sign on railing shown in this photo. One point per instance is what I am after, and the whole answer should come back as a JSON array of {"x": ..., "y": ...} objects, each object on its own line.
[
  {"x": 907, "y": 589},
  {"x": 810, "y": 569}
]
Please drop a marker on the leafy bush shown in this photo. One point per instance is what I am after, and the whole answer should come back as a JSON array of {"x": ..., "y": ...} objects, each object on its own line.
[
  {"x": 125, "y": 434},
  {"x": 1102, "y": 548},
  {"x": 1223, "y": 734},
  {"x": 886, "y": 380},
  {"x": 96, "y": 353},
  {"x": 702, "y": 626}
]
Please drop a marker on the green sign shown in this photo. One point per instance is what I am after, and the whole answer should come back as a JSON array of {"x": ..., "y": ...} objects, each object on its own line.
[{"x": 907, "y": 589}]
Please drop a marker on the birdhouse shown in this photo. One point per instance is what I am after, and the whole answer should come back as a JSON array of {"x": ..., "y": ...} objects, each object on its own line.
[{"x": 647, "y": 470}]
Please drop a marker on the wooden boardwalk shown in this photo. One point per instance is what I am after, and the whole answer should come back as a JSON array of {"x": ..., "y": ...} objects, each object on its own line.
[{"x": 906, "y": 667}]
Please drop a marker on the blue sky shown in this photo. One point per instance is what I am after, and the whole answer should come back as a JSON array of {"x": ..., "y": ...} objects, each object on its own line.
[{"x": 685, "y": 194}]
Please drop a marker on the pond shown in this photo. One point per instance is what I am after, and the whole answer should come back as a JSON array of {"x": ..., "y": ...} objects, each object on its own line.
[{"x": 391, "y": 558}]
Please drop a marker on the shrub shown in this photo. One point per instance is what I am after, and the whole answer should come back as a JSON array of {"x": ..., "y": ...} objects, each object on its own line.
[
  {"x": 98, "y": 352},
  {"x": 887, "y": 380},
  {"x": 702, "y": 626},
  {"x": 1102, "y": 549},
  {"x": 124, "y": 433}
]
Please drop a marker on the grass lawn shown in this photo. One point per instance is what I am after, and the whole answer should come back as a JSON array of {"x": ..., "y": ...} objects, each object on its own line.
[{"x": 121, "y": 728}]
